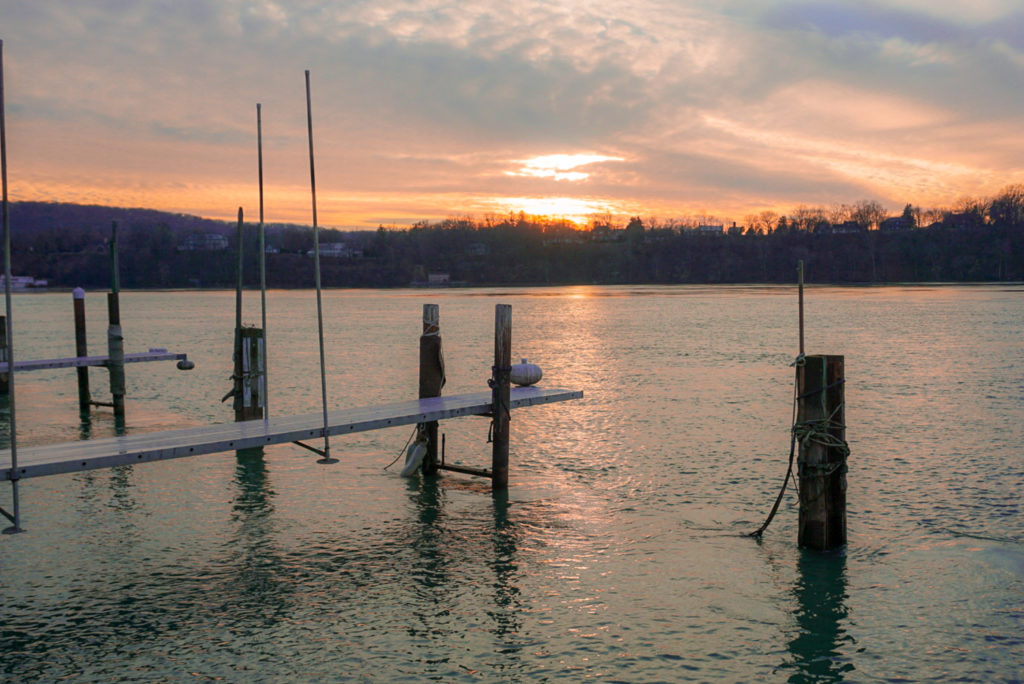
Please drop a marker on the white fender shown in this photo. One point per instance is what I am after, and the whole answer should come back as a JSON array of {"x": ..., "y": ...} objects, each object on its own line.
[
  {"x": 414, "y": 458},
  {"x": 524, "y": 374}
]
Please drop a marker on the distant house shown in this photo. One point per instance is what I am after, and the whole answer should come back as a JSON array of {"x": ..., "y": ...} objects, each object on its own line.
[
  {"x": 438, "y": 279},
  {"x": 22, "y": 283},
  {"x": 894, "y": 224},
  {"x": 478, "y": 249},
  {"x": 605, "y": 233},
  {"x": 204, "y": 242},
  {"x": 848, "y": 227},
  {"x": 337, "y": 250},
  {"x": 966, "y": 220},
  {"x": 712, "y": 229}
]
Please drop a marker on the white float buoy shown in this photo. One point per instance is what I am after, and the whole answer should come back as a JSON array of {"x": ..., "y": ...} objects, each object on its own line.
[
  {"x": 414, "y": 458},
  {"x": 525, "y": 374}
]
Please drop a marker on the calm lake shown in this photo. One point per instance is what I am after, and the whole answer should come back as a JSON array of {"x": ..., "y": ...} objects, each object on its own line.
[{"x": 617, "y": 554}]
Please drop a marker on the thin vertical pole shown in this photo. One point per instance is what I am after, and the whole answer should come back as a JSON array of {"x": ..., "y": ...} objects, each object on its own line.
[
  {"x": 237, "y": 356},
  {"x": 5, "y": 376},
  {"x": 501, "y": 395},
  {"x": 316, "y": 276},
  {"x": 81, "y": 349},
  {"x": 115, "y": 336},
  {"x": 16, "y": 512},
  {"x": 800, "y": 278},
  {"x": 263, "y": 258}
]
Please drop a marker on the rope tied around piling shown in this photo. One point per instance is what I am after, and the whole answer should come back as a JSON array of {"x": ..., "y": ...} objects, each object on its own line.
[
  {"x": 806, "y": 433},
  {"x": 500, "y": 375}
]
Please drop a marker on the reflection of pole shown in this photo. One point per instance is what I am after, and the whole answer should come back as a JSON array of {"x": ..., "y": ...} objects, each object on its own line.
[
  {"x": 15, "y": 515},
  {"x": 821, "y": 595},
  {"x": 115, "y": 339},
  {"x": 501, "y": 395},
  {"x": 81, "y": 349}
]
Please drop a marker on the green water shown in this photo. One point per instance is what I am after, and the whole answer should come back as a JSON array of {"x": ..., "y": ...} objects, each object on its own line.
[{"x": 617, "y": 554}]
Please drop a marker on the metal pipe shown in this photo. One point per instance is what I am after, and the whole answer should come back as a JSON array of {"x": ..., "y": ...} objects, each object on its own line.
[
  {"x": 16, "y": 511},
  {"x": 316, "y": 276},
  {"x": 263, "y": 260},
  {"x": 800, "y": 278}
]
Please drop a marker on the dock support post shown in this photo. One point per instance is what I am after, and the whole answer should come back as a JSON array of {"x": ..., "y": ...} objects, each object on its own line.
[
  {"x": 821, "y": 465},
  {"x": 81, "y": 349},
  {"x": 500, "y": 394},
  {"x": 249, "y": 375},
  {"x": 432, "y": 379},
  {"x": 115, "y": 353}
]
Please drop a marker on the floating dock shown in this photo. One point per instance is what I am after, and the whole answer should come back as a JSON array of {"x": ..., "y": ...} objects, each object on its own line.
[
  {"x": 70, "y": 457},
  {"x": 86, "y": 361}
]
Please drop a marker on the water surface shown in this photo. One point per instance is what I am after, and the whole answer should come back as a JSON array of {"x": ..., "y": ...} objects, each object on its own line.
[{"x": 617, "y": 554}]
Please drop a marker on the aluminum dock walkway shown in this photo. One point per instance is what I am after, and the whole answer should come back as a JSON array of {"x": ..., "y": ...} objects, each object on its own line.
[{"x": 70, "y": 457}]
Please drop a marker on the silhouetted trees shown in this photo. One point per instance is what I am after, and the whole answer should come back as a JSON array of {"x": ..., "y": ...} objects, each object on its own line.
[{"x": 976, "y": 240}]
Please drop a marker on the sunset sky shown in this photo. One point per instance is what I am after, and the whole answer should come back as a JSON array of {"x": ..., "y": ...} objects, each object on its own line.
[{"x": 424, "y": 109}]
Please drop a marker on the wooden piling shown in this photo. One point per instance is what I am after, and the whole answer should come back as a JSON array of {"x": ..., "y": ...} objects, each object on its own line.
[
  {"x": 432, "y": 378},
  {"x": 500, "y": 393},
  {"x": 115, "y": 353},
  {"x": 250, "y": 382},
  {"x": 821, "y": 465},
  {"x": 81, "y": 349}
]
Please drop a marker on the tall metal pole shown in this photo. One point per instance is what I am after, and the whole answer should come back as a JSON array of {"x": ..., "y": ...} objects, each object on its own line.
[
  {"x": 115, "y": 335},
  {"x": 316, "y": 276},
  {"x": 237, "y": 356},
  {"x": 15, "y": 516},
  {"x": 263, "y": 261},
  {"x": 800, "y": 278}
]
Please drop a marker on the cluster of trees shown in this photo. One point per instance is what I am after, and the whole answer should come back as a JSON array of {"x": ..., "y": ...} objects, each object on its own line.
[{"x": 974, "y": 241}]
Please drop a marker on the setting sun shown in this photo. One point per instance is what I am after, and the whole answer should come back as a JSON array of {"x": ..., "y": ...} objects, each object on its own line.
[
  {"x": 559, "y": 167},
  {"x": 568, "y": 208}
]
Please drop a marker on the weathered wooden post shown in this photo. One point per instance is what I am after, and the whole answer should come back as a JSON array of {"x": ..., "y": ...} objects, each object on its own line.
[
  {"x": 821, "y": 466},
  {"x": 432, "y": 379},
  {"x": 501, "y": 395},
  {"x": 81, "y": 349},
  {"x": 115, "y": 338},
  {"x": 250, "y": 374}
]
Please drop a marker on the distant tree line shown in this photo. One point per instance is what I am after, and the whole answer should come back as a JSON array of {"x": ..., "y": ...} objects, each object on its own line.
[{"x": 975, "y": 241}]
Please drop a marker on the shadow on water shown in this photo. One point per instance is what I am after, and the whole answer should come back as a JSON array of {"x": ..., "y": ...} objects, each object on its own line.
[{"x": 821, "y": 594}]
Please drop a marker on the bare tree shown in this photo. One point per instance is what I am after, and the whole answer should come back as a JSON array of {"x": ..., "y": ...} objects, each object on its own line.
[{"x": 868, "y": 213}]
